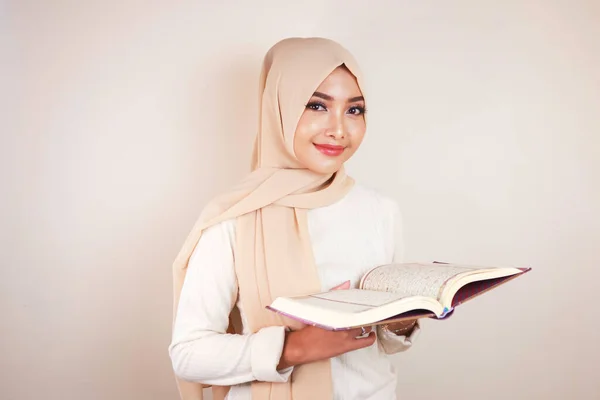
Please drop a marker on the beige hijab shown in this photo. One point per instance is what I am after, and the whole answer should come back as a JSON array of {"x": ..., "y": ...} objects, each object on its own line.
[{"x": 273, "y": 255}]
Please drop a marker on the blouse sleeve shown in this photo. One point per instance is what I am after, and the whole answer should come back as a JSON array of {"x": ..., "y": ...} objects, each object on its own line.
[
  {"x": 388, "y": 341},
  {"x": 201, "y": 350}
]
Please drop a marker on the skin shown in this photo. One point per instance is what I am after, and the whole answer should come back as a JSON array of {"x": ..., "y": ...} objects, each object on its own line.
[{"x": 334, "y": 116}]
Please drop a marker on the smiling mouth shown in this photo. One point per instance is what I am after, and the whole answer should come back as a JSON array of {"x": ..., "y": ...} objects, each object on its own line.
[{"x": 330, "y": 149}]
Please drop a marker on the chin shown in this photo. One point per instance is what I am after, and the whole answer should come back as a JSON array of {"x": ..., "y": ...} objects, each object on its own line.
[{"x": 325, "y": 169}]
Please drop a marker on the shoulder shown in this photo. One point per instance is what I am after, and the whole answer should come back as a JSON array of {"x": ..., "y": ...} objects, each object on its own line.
[{"x": 220, "y": 235}]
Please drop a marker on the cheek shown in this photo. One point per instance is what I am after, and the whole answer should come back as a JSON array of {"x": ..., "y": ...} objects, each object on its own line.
[
  {"x": 306, "y": 130},
  {"x": 357, "y": 132},
  {"x": 302, "y": 140},
  {"x": 310, "y": 126}
]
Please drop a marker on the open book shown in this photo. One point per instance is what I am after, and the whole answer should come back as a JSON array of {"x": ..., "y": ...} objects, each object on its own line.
[{"x": 396, "y": 292}]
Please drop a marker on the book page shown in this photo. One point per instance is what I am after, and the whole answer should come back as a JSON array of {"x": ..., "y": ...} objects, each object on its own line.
[
  {"x": 413, "y": 279},
  {"x": 359, "y": 297},
  {"x": 343, "y": 309}
]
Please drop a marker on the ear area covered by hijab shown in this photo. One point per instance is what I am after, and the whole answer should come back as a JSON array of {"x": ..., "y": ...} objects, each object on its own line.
[{"x": 273, "y": 254}]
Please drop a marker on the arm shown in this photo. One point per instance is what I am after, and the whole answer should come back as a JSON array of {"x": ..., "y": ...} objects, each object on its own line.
[
  {"x": 201, "y": 350},
  {"x": 313, "y": 344}
]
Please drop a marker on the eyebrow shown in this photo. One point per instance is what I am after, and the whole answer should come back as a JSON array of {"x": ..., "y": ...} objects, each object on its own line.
[{"x": 329, "y": 98}]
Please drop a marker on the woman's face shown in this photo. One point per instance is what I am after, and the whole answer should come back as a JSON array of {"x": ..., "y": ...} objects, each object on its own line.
[{"x": 332, "y": 125}]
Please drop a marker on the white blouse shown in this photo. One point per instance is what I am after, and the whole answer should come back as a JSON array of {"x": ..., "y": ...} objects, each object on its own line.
[{"x": 360, "y": 231}]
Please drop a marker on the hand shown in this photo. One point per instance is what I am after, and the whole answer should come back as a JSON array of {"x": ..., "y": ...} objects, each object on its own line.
[
  {"x": 343, "y": 286},
  {"x": 313, "y": 344}
]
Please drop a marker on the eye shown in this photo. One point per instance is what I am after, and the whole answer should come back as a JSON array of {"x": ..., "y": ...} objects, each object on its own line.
[
  {"x": 357, "y": 110},
  {"x": 316, "y": 106}
]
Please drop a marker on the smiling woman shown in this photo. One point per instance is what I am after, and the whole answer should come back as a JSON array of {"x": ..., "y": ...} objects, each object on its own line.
[
  {"x": 332, "y": 127},
  {"x": 296, "y": 225}
]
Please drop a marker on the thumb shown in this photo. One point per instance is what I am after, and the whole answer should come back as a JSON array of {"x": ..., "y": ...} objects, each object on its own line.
[{"x": 343, "y": 286}]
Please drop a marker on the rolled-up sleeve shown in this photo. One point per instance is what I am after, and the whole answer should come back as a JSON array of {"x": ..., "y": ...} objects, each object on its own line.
[
  {"x": 201, "y": 350},
  {"x": 391, "y": 343}
]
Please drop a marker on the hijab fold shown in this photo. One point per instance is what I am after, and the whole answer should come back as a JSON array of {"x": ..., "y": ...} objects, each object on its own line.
[{"x": 273, "y": 253}]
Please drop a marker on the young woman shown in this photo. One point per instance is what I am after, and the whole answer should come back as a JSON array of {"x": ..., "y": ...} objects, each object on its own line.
[{"x": 296, "y": 225}]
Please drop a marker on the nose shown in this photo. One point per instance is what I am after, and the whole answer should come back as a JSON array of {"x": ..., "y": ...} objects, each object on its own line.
[{"x": 336, "y": 129}]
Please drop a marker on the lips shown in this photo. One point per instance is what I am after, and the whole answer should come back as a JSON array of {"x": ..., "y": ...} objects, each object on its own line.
[{"x": 329, "y": 149}]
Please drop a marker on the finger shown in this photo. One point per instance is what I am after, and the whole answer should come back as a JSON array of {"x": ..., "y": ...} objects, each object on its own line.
[
  {"x": 362, "y": 342},
  {"x": 368, "y": 340},
  {"x": 358, "y": 333},
  {"x": 343, "y": 286}
]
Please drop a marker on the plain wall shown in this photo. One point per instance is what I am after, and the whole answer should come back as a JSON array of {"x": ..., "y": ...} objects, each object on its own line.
[{"x": 121, "y": 119}]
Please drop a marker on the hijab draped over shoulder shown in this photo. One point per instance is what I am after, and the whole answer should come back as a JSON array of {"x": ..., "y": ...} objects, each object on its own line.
[{"x": 273, "y": 255}]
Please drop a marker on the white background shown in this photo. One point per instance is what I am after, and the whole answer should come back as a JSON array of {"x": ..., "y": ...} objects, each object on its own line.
[{"x": 120, "y": 120}]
